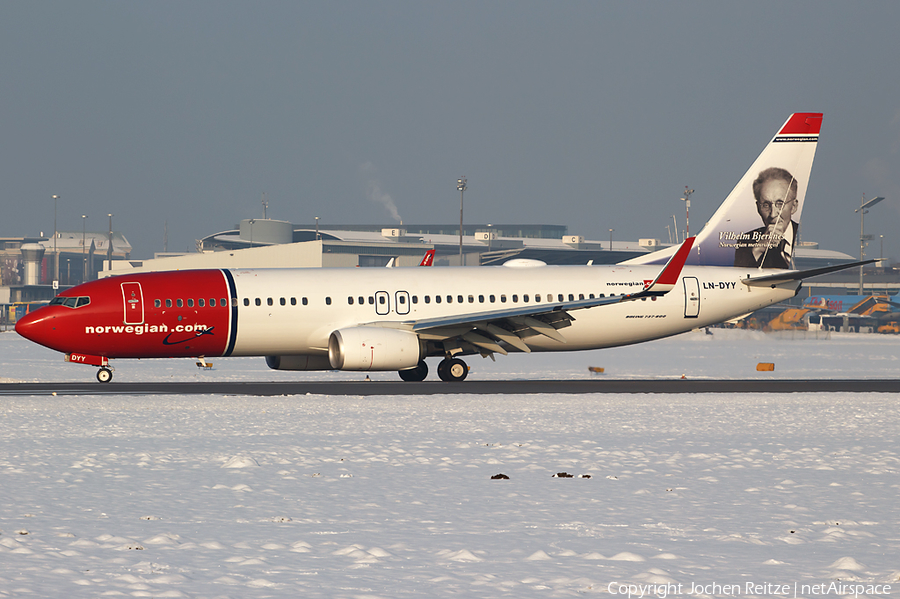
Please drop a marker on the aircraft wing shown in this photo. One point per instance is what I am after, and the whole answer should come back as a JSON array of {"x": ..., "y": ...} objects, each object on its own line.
[
  {"x": 786, "y": 276},
  {"x": 487, "y": 329}
]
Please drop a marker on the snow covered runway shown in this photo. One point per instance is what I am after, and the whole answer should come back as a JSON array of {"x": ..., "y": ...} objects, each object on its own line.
[{"x": 207, "y": 496}]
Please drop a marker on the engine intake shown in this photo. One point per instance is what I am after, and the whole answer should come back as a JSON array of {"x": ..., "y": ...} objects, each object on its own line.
[{"x": 373, "y": 348}]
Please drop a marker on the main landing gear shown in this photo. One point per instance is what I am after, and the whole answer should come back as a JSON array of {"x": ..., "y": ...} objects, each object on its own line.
[
  {"x": 104, "y": 375},
  {"x": 452, "y": 370},
  {"x": 415, "y": 374},
  {"x": 449, "y": 370}
]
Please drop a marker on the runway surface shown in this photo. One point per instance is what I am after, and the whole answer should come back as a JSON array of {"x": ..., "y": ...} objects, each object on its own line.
[{"x": 520, "y": 387}]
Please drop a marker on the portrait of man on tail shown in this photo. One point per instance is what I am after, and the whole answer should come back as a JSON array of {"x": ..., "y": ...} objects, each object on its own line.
[{"x": 772, "y": 245}]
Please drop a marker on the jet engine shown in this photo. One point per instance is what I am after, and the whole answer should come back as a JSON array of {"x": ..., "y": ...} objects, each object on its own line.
[
  {"x": 299, "y": 362},
  {"x": 373, "y": 348}
]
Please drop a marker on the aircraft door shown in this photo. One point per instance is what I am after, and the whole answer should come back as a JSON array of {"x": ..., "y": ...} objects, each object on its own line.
[
  {"x": 382, "y": 303},
  {"x": 133, "y": 299},
  {"x": 401, "y": 302},
  {"x": 691, "y": 297}
]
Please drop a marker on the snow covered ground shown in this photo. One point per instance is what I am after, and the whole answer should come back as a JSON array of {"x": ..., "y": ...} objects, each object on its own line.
[{"x": 314, "y": 496}]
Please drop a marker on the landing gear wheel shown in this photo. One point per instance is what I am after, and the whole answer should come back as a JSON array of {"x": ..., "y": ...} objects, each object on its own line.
[
  {"x": 453, "y": 370},
  {"x": 415, "y": 374},
  {"x": 104, "y": 375}
]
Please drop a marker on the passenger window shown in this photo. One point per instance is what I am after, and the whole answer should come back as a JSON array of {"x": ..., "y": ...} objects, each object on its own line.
[
  {"x": 560, "y": 297},
  {"x": 258, "y": 302},
  {"x": 269, "y": 301},
  {"x": 246, "y": 301},
  {"x": 327, "y": 301},
  {"x": 591, "y": 296},
  {"x": 525, "y": 298},
  {"x": 305, "y": 301},
  {"x": 350, "y": 300},
  {"x": 282, "y": 301},
  {"x": 471, "y": 299},
  {"x": 168, "y": 303},
  {"x": 402, "y": 299},
  {"x": 427, "y": 299},
  {"x": 515, "y": 298},
  {"x": 371, "y": 301},
  {"x": 201, "y": 303},
  {"x": 449, "y": 299},
  {"x": 537, "y": 297},
  {"x": 437, "y": 299},
  {"x": 361, "y": 300},
  {"x": 293, "y": 301},
  {"x": 480, "y": 299},
  {"x": 581, "y": 296},
  {"x": 502, "y": 299},
  {"x": 493, "y": 299},
  {"x": 157, "y": 303},
  {"x": 459, "y": 299},
  {"x": 381, "y": 299},
  {"x": 571, "y": 298},
  {"x": 179, "y": 302},
  {"x": 415, "y": 299},
  {"x": 191, "y": 303}
]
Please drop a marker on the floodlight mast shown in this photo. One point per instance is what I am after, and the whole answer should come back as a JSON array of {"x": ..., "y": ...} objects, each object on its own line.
[
  {"x": 461, "y": 186},
  {"x": 863, "y": 209}
]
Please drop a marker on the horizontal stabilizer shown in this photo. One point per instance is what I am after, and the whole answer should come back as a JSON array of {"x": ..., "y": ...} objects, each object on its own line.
[{"x": 787, "y": 276}]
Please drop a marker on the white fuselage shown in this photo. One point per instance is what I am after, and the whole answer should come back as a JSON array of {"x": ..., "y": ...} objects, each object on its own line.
[{"x": 293, "y": 311}]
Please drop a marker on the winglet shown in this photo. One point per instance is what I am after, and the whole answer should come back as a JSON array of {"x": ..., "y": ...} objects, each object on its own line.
[{"x": 665, "y": 281}]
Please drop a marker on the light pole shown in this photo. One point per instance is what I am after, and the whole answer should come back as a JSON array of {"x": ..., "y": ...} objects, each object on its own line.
[
  {"x": 317, "y": 228},
  {"x": 461, "y": 186},
  {"x": 687, "y": 207},
  {"x": 863, "y": 209},
  {"x": 109, "y": 248},
  {"x": 610, "y": 239},
  {"x": 83, "y": 255},
  {"x": 55, "y": 254}
]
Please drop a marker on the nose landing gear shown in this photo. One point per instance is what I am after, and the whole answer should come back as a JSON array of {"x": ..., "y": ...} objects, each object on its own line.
[{"x": 104, "y": 375}]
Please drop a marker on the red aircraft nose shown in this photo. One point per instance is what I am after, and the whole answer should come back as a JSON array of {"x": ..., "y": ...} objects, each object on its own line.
[{"x": 39, "y": 326}]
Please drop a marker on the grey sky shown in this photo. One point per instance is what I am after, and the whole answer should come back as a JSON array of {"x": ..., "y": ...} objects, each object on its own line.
[{"x": 588, "y": 114}]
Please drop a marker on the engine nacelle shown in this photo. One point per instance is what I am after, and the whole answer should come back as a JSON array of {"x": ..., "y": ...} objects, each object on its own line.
[
  {"x": 303, "y": 362},
  {"x": 373, "y": 348}
]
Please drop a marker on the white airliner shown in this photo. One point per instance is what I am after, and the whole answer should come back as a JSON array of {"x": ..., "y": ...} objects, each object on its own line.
[{"x": 393, "y": 319}]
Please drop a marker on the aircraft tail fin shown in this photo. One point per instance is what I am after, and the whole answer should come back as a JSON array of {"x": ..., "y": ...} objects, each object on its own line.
[
  {"x": 757, "y": 225},
  {"x": 427, "y": 259}
]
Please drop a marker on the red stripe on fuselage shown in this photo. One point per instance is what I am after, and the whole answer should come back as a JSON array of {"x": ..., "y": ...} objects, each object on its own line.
[{"x": 167, "y": 330}]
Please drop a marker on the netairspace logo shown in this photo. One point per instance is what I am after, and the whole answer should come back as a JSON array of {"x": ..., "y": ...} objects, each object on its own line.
[{"x": 795, "y": 590}]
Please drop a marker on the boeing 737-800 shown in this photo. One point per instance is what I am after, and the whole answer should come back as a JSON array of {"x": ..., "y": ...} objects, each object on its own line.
[{"x": 393, "y": 319}]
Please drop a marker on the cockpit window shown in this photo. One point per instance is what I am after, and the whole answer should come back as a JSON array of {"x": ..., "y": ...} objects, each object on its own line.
[{"x": 70, "y": 302}]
